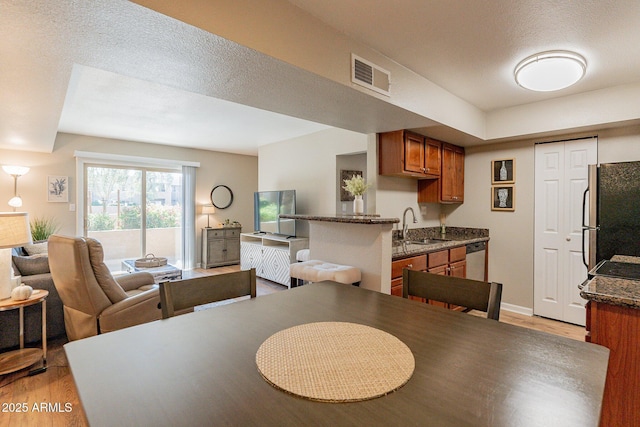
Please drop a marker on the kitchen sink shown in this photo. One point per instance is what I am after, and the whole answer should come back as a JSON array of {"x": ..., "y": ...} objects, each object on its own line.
[{"x": 423, "y": 241}]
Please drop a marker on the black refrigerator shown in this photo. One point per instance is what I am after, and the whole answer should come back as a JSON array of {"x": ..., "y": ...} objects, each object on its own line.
[{"x": 611, "y": 212}]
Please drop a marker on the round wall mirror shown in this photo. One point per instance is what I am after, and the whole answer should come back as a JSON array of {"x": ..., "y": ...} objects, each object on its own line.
[{"x": 221, "y": 196}]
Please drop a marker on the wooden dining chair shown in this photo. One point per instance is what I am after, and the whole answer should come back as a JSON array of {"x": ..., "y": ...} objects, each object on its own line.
[
  {"x": 179, "y": 295},
  {"x": 468, "y": 293}
]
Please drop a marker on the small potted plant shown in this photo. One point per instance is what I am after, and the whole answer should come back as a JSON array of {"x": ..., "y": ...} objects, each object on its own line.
[
  {"x": 42, "y": 228},
  {"x": 356, "y": 186}
]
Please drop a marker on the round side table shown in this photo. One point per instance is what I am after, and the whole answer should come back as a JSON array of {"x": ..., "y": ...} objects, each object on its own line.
[{"x": 15, "y": 360}]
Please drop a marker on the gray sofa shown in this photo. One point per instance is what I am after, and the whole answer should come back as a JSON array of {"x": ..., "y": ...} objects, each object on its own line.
[{"x": 34, "y": 270}]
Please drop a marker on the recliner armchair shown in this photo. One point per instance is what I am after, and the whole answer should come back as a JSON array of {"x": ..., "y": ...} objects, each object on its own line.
[{"x": 93, "y": 300}]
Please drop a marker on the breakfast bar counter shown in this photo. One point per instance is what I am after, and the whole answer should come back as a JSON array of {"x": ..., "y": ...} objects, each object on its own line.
[
  {"x": 362, "y": 241},
  {"x": 345, "y": 219}
]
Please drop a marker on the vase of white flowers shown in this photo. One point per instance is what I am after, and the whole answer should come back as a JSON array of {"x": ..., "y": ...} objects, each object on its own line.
[{"x": 356, "y": 186}]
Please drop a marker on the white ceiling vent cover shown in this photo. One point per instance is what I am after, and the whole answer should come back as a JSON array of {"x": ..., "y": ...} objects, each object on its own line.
[{"x": 369, "y": 75}]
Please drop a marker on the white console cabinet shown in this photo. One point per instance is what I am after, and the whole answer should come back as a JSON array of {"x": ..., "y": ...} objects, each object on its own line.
[{"x": 270, "y": 255}]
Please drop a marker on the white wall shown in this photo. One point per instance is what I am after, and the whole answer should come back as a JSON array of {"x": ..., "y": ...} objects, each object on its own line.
[
  {"x": 395, "y": 194},
  {"x": 308, "y": 165},
  {"x": 511, "y": 245},
  {"x": 236, "y": 171},
  {"x": 619, "y": 145}
]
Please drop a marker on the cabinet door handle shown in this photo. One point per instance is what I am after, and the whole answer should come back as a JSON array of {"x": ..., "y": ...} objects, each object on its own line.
[{"x": 409, "y": 265}]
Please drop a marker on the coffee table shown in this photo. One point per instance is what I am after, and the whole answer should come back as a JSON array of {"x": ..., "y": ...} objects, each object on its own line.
[{"x": 160, "y": 274}]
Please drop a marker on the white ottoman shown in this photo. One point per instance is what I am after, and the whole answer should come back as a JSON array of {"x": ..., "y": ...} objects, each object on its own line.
[
  {"x": 302, "y": 255},
  {"x": 316, "y": 271}
]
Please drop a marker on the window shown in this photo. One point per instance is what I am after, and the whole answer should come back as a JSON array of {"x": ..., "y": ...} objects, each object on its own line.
[
  {"x": 137, "y": 205},
  {"x": 134, "y": 212}
]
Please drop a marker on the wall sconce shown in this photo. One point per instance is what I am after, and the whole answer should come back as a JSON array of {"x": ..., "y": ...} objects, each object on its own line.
[
  {"x": 15, "y": 172},
  {"x": 208, "y": 210}
]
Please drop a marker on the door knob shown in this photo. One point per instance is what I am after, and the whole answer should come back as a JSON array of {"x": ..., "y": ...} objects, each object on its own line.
[{"x": 568, "y": 238}]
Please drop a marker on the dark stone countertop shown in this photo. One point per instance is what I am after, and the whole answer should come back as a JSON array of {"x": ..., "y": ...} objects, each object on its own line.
[
  {"x": 349, "y": 219},
  {"x": 614, "y": 290},
  {"x": 454, "y": 237}
]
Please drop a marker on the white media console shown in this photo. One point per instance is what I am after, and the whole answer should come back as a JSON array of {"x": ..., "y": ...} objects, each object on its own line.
[{"x": 270, "y": 255}]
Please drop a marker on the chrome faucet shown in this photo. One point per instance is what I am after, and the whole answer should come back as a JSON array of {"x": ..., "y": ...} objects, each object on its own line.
[{"x": 404, "y": 221}]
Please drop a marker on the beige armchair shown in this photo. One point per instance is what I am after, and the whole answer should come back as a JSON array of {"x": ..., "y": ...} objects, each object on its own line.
[{"x": 93, "y": 301}]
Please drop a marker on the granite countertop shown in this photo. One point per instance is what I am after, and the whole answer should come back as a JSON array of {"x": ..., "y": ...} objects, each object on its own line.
[
  {"x": 349, "y": 219},
  {"x": 454, "y": 237},
  {"x": 614, "y": 290}
]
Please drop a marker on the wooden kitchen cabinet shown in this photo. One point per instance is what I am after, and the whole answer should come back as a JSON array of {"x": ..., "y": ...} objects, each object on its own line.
[
  {"x": 408, "y": 154},
  {"x": 618, "y": 329},
  {"x": 450, "y": 187},
  {"x": 418, "y": 263},
  {"x": 450, "y": 262}
]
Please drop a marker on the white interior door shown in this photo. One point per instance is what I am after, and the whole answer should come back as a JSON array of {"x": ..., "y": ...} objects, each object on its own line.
[{"x": 561, "y": 170}]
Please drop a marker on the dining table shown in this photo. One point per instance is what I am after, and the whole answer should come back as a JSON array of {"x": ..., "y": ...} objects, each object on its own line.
[{"x": 202, "y": 368}]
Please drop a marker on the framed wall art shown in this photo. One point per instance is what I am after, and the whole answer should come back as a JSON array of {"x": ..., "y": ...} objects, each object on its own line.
[
  {"x": 57, "y": 188},
  {"x": 503, "y": 198},
  {"x": 503, "y": 171}
]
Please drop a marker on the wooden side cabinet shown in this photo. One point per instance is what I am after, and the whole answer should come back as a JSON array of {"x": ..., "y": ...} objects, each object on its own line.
[
  {"x": 220, "y": 246},
  {"x": 408, "y": 154},
  {"x": 450, "y": 187}
]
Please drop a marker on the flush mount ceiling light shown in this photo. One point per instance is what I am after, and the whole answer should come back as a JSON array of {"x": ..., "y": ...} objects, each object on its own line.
[{"x": 549, "y": 71}]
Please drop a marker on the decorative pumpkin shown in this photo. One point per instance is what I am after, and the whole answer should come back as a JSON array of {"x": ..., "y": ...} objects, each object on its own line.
[{"x": 21, "y": 293}]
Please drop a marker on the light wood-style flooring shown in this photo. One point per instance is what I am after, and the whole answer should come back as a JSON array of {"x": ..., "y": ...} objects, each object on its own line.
[{"x": 51, "y": 399}]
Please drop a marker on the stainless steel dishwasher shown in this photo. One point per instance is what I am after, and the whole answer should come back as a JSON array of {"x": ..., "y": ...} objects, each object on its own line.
[{"x": 476, "y": 253}]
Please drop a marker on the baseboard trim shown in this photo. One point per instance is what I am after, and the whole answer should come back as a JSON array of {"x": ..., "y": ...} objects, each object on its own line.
[{"x": 517, "y": 309}]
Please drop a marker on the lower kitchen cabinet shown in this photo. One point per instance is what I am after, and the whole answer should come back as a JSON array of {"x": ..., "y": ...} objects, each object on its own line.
[
  {"x": 450, "y": 262},
  {"x": 618, "y": 328},
  {"x": 418, "y": 263}
]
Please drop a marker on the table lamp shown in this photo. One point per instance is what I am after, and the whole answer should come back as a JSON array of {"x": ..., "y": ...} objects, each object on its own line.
[
  {"x": 208, "y": 210},
  {"x": 14, "y": 231}
]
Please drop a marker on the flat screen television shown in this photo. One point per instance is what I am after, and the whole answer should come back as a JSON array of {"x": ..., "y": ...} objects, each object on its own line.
[{"x": 268, "y": 206}]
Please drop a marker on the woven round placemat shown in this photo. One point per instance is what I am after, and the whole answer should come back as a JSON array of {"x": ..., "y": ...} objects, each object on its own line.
[{"x": 335, "y": 361}]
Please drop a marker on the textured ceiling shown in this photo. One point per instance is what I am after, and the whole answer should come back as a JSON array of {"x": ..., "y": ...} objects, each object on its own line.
[
  {"x": 101, "y": 103},
  {"x": 115, "y": 69},
  {"x": 471, "y": 47}
]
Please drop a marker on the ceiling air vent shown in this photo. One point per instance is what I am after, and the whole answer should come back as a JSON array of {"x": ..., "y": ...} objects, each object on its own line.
[{"x": 369, "y": 75}]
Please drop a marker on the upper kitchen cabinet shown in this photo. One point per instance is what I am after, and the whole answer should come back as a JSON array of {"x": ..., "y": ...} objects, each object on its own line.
[
  {"x": 405, "y": 153},
  {"x": 450, "y": 187}
]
